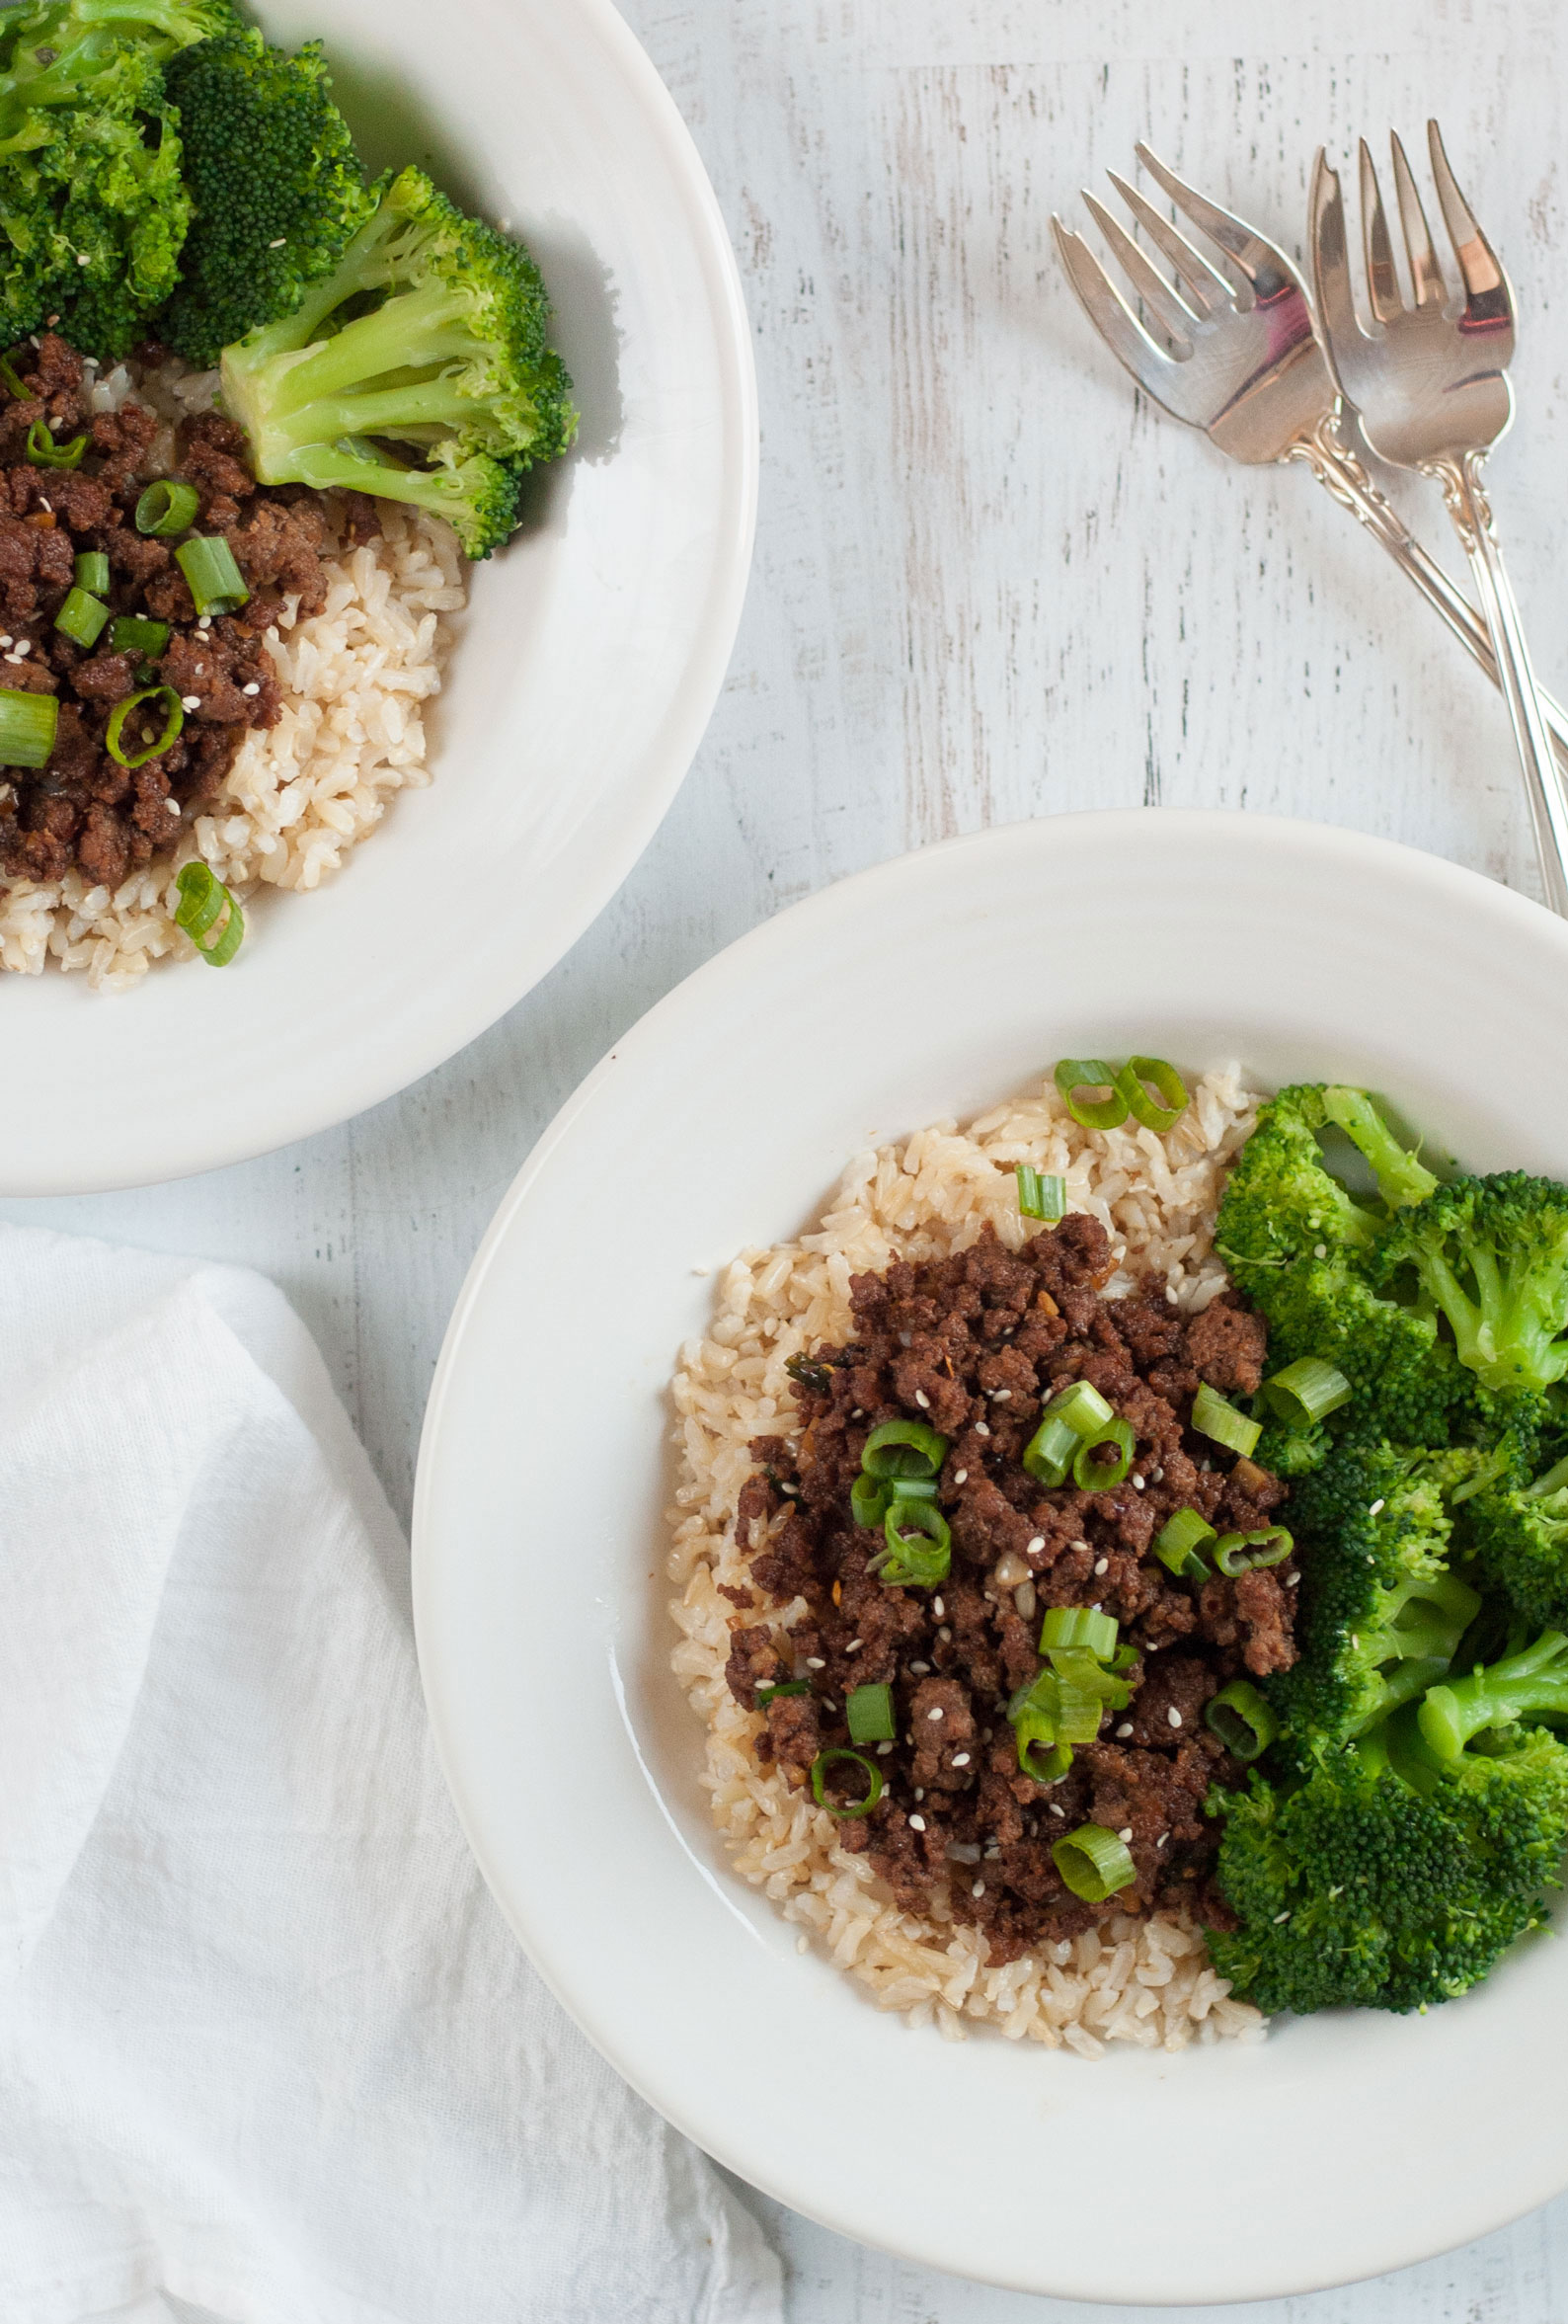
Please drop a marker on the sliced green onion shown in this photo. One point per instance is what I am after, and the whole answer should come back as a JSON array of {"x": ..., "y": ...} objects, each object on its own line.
[
  {"x": 784, "y": 1686},
  {"x": 1079, "y": 1626},
  {"x": 1091, "y": 1475},
  {"x": 1242, "y": 1552},
  {"x": 214, "y": 580},
  {"x": 1040, "y": 1755},
  {"x": 8, "y": 373},
  {"x": 44, "y": 452},
  {"x": 92, "y": 571},
  {"x": 1307, "y": 1392},
  {"x": 869, "y": 1710},
  {"x": 1075, "y": 1667},
  {"x": 1214, "y": 1416},
  {"x": 1083, "y": 1407},
  {"x": 1078, "y": 1711},
  {"x": 1049, "y": 1453},
  {"x": 202, "y": 898},
  {"x": 1091, "y": 1072},
  {"x": 1041, "y": 1196},
  {"x": 1093, "y": 1861},
  {"x": 174, "y": 720},
  {"x": 167, "y": 507},
  {"x": 919, "y": 1547},
  {"x": 1180, "y": 1540},
  {"x": 27, "y": 727},
  {"x": 904, "y": 1448},
  {"x": 132, "y": 635},
  {"x": 83, "y": 618},
  {"x": 1242, "y": 1719},
  {"x": 1132, "y": 1083},
  {"x": 826, "y": 1760},
  {"x": 868, "y": 1500}
]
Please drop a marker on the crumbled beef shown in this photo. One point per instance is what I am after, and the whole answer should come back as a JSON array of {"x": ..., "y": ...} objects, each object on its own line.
[
  {"x": 975, "y": 1346},
  {"x": 82, "y": 809}
]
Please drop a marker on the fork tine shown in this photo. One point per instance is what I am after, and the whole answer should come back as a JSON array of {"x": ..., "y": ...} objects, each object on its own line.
[
  {"x": 1205, "y": 285},
  {"x": 1235, "y": 236},
  {"x": 1485, "y": 285},
  {"x": 1171, "y": 312},
  {"x": 1111, "y": 316},
  {"x": 1426, "y": 275},
  {"x": 1336, "y": 303},
  {"x": 1382, "y": 283}
]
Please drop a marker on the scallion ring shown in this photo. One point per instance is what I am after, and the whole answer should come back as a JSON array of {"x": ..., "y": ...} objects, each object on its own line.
[
  {"x": 1039, "y": 1755},
  {"x": 1132, "y": 1084},
  {"x": 917, "y": 1546},
  {"x": 12, "y": 382},
  {"x": 213, "y": 578},
  {"x": 1242, "y": 1719},
  {"x": 82, "y": 618},
  {"x": 44, "y": 452},
  {"x": 1179, "y": 1542},
  {"x": 1049, "y": 1453},
  {"x": 167, "y": 507},
  {"x": 1090, "y": 1472},
  {"x": 826, "y": 1760},
  {"x": 904, "y": 1448},
  {"x": 766, "y": 1694},
  {"x": 27, "y": 727},
  {"x": 1214, "y": 1416},
  {"x": 203, "y": 897},
  {"x": 1039, "y": 1195},
  {"x": 1307, "y": 1392},
  {"x": 1093, "y": 1861},
  {"x": 92, "y": 571},
  {"x": 1246, "y": 1553},
  {"x": 174, "y": 720},
  {"x": 1079, "y": 1626},
  {"x": 132, "y": 634},
  {"x": 869, "y": 1710},
  {"x": 1083, "y": 1407},
  {"x": 1091, "y": 1072},
  {"x": 1087, "y": 1675}
]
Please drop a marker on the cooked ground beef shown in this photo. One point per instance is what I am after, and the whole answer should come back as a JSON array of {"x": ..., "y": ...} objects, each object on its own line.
[
  {"x": 82, "y": 808},
  {"x": 975, "y": 1345}
]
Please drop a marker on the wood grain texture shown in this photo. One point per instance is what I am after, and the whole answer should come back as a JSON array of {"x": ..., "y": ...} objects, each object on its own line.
[{"x": 990, "y": 582}]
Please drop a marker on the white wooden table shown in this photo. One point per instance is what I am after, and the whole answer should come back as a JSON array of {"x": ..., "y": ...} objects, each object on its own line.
[{"x": 988, "y": 585}]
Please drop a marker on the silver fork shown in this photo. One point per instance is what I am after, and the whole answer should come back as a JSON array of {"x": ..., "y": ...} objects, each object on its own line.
[
  {"x": 1246, "y": 367},
  {"x": 1431, "y": 384}
]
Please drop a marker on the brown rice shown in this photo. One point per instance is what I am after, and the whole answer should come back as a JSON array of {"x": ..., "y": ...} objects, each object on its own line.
[
  {"x": 300, "y": 794},
  {"x": 1147, "y": 1982}
]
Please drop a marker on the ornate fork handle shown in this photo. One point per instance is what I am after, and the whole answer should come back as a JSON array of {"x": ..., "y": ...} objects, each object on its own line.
[{"x": 1337, "y": 468}]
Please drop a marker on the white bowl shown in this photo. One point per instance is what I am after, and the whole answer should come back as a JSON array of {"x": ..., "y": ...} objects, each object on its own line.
[
  {"x": 1345, "y": 2144},
  {"x": 592, "y": 651}
]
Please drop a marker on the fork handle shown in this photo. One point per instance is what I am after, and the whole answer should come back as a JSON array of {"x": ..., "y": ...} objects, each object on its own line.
[{"x": 1347, "y": 481}]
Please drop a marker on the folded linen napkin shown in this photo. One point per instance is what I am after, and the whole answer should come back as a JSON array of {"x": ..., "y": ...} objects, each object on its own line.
[{"x": 266, "y": 2044}]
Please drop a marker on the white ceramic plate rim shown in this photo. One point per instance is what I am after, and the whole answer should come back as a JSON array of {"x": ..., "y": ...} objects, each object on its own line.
[{"x": 1401, "y": 2240}]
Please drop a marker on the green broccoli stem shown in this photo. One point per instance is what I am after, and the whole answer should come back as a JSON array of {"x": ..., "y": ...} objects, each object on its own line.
[
  {"x": 1426, "y": 1618},
  {"x": 326, "y": 466},
  {"x": 1533, "y": 1682},
  {"x": 1405, "y": 1683},
  {"x": 1400, "y": 1177},
  {"x": 405, "y": 333}
]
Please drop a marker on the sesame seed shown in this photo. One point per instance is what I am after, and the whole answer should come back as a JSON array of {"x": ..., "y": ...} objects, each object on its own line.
[
  {"x": 1125, "y": 1728},
  {"x": 980, "y": 1428},
  {"x": 1000, "y": 1395},
  {"x": 1079, "y": 1545},
  {"x": 922, "y": 1400},
  {"x": 1160, "y": 1842},
  {"x": 82, "y": 259},
  {"x": 1174, "y": 1716},
  {"x": 1102, "y": 1564},
  {"x": 204, "y": 621},
  {"x": 1156, "y": 1477},
  {"x": 1034, "y": 1548},
  {"x": 1291, "y": 1580},
  {"x": 815, "y": 1662},
  {"x": 945, "y": 1635},
  {"x": 44, "y": 504},
  {"x": 961, "y": 1476},
  {"x": 7, "y": 641},
  {"x": 1137, "y": 1484},
  {"x": 961, "y": 1759},
  {"x": 883, "y": 1749},
  {"x": 189, "y": 701},
  {"x": 255, "y": 688},
  {"x": 917, "y": 1824},
  {"x": 919, "y": 1795},
  {"x": 23, "y": 646},
  {"x": 979, "y": 1889},
  {"x": 13, "y": 658},
  {"x": 858, "y": 1414},
  {"x": 1056, "y": 1810},
  {"x": 937, "y": 1608},
  {"x": 1320, "y": 1250},
  {"x": 1126, "y": 1832},
  {"x": 1281, "y": 1917},
  {"x": 919, "y": 1670},
  {"x": 854, "y": 1645},
  {"x": 277, "y": 244},
  {"x": 936, "y": 1714},
  {"x": 1376, "y": 1510}
]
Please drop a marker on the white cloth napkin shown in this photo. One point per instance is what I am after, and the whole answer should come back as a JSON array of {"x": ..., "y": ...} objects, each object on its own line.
[{"x": 266, "y": 2044}]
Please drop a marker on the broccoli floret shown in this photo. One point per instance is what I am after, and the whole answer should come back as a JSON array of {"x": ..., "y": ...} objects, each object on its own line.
[
  {"x": 1492, "y": 1254},
  {"x": 93, "y": 206},
  {"x": 1517, "y": 1537},
  {"x": 450, "y": 362},
  {"x": 275, "y": 183},
  {"x": 1380, "y": 1613},
  {"x": 1530, "y": 1685},
  {"x": 1353, "y": 1888},
  {"x": 1305, "y": 1253}
]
